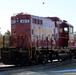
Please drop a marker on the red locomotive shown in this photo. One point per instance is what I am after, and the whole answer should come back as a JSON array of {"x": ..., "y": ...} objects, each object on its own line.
[
  {"x": 39, "y": 28},
  {"x": 35, "y": 39}
]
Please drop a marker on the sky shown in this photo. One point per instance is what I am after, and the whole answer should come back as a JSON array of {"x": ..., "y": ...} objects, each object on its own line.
[{"x": 64, "y": 9}]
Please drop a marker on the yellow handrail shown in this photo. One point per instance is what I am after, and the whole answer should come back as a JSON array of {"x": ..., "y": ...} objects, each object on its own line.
[{"x": 30, "y": 50}]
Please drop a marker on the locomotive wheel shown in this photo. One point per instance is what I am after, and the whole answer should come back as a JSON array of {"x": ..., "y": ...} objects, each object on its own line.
[
  {"x": 45, "y": 59},
  {"x": 39, "y": 59}
]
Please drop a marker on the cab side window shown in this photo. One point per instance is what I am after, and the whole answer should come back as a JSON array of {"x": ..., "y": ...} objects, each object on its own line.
[{"x": 71, "y": 29}]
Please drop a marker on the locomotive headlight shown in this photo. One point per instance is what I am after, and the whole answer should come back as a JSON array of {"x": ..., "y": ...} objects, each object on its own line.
[{"x": 65, "y": 29}]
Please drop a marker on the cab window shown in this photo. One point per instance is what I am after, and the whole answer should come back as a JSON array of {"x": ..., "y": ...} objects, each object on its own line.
[
  {"x": 71, "y": 29},
  {"x": 13, "y": 21}
]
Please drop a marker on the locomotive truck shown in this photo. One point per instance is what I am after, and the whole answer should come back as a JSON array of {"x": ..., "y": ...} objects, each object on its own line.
[{"x": 36, "y": 39}]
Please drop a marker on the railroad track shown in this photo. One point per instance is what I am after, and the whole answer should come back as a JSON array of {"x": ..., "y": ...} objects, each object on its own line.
[{"x": 52, "y": 65}]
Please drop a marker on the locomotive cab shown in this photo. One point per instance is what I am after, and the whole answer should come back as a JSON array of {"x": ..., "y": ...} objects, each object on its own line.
[
  {"x": 64, "y": 34},
  {"x": 61, "y": 32}
]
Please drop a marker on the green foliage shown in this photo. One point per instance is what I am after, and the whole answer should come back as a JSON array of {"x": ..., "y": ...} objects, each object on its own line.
[
  {"x": 7, "y": 35},
  {"x": 1, "y": 40}
]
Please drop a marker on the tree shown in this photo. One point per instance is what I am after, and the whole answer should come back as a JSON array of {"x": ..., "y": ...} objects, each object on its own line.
[
  {"x": 7, "y": 35},
  {"x": 1, "y": 40}
]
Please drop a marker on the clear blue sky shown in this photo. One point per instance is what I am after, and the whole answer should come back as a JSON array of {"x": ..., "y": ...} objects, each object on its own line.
[{"x": 65, "y": 9}]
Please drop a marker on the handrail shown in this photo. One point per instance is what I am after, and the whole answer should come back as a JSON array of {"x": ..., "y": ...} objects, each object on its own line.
[{"x": 30, "y": 50}]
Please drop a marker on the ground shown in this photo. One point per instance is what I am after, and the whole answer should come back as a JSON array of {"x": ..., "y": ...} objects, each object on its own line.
[{"x": 55, "y": 68}]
